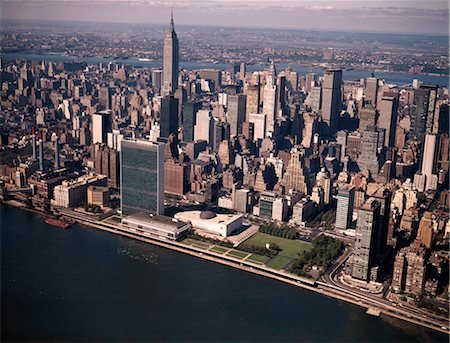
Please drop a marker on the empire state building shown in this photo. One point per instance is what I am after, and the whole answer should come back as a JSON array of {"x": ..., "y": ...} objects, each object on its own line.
[{"x": 171, "y": 60}]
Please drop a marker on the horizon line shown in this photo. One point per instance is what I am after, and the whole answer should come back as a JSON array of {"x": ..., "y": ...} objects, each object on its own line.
[{"x": 257, "y": 27}]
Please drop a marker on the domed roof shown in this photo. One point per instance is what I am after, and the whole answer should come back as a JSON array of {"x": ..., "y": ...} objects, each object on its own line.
[{"x": 207, "y": 215}]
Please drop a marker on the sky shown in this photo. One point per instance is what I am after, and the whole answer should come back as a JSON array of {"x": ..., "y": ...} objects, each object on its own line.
[{"x": 400, "y": 16}]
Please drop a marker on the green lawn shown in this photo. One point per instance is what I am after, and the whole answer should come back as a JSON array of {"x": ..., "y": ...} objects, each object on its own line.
[
  {"x": 278, "y": 262},
  {"x": 291, "y": 248},
  {"x": 258, "y": 258},
  {"x": 219, "y": 250},
  {"x": 195, "y": 243},
  {"x": 237, "y": 254}
]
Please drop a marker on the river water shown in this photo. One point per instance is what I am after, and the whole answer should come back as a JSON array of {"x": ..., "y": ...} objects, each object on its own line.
[
  {"x": 399, "y": 79},
  {"x": 87, "y": 285}
]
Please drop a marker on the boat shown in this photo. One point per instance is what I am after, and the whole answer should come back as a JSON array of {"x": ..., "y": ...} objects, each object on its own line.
[
  {"x": 57, "y": 222},
  {"x": 144, "y": 60}
]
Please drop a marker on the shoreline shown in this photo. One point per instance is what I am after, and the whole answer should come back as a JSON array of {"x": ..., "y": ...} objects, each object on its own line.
[{"x": 311, "y": 285}]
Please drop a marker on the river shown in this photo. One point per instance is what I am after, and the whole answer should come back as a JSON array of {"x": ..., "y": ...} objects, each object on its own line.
[
  {"x": 396, "y": 78},
  {"x": 87, "y": 285}
]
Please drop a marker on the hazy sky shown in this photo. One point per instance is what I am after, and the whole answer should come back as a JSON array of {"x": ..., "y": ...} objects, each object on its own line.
[{"x": 362, "y": 15}]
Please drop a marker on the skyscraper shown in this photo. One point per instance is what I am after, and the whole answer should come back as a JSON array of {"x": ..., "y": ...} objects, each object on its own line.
[
  {"x": 429, "y": 162},
  {"x": 372, "y": 90},
  {"x": 190, "y": 110},
  {"x": 142, "y": 177},
  {"x": 331, "y": 100},
  {"x": 171, "y": 59},
  {"x": 366, "y": 233},
  {"x": 168, "y": 116},
  {"x": 387, "y": 118},
  {"x": 368, "y": 158},
  {"x": 270, "y": 99},
  {"x": 236, "y": 113},
  {"x": 344, "y": 211},
  {"x": 422, "y": 111},
  {"x": 101, "y": 125}
]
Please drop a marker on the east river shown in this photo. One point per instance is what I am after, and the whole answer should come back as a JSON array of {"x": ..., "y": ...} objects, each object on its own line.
[{"x": 87, "y": 285}]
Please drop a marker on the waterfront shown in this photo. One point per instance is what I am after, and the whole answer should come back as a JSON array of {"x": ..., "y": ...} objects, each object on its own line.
[
  {"x": 348, "y": 75},
  {"x": 90, "y": 285}
]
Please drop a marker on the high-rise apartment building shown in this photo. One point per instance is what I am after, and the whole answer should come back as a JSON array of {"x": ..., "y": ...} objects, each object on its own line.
[
  {"x": 344, "y": 210},
  {"x": 367, "y": 226}
]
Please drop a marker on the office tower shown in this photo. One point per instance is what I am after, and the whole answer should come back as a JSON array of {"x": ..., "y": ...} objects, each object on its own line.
[
  {"x": 367, "y": 226},
  {"x": 204, "y": 127},
  {"x": 242, "y": 71},
  {"x": 367, "y": 117},
  {"x": 310, "y": 80},
  {"x": 425, "y": 233},
  {"x": 171, "y": 60},
  {"x": 248, "y": 130},
  {"x": 442, "y": 120},
  {"x": 175, "y": 177},
  {"x": 296, "y": 176},
  {"x": 344, "y": 210},
  {"x": 368, "y": 158},
  {"x": 41, "y": 152},
  {"x": 253, "y": 100},
  {"x": 259, "y": 121},
  {"x": 34, "y": 145},
  {"x": 432, "y": 98},
  {"x": 422, "y": 111},
  {"x": 57, "y": 162},
  {"x": 190, "y": 110},
  {"x": 101, "y": 125},
  {"x": 372, "y": 91},
  {"x": 443, "y": 153},
  {"x": 316, "y": 99},
  {"x": 236, "y": 113},
  {"x": 104, "y": 97},
  {"x": 281, "y": 95},
  {"x": 168, "y": 116},
  {"x": 270, "y": 100},
  {"x": 331, "y": 100},
  {"x": 292, "y": 78},
  {"x": 157, "y": 80},
  {"x": 429, "y": 162},
  {"x": 387, "y": 118},
  {"x": 142, "y": 177}
]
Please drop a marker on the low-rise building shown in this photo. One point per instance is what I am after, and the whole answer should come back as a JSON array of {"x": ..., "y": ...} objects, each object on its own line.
[
  {"x": 98, "y": 196},
  {"x": 73, "y": 193},
  {"x": 220, "y": 224},
  {"x": 157, "y": 226}
]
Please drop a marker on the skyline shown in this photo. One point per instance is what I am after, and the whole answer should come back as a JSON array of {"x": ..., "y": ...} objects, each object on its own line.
[{"x": 405, "y": 17}]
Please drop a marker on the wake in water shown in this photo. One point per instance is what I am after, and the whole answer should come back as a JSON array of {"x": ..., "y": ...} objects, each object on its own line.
[{"x": 136, "y": 251}]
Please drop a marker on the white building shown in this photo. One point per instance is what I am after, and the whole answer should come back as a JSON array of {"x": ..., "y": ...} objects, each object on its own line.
[
  {"x": 220, "y": 224},
  {"x": 203, "y": 129},
  {"x": 73, "y": 193}
]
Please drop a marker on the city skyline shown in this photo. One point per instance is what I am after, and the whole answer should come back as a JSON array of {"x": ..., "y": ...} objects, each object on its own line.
[{"x": 405, "y": 17}]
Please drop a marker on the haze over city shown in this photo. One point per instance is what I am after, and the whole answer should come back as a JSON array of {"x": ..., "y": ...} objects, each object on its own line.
[{"x": 426, "y": 17}]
